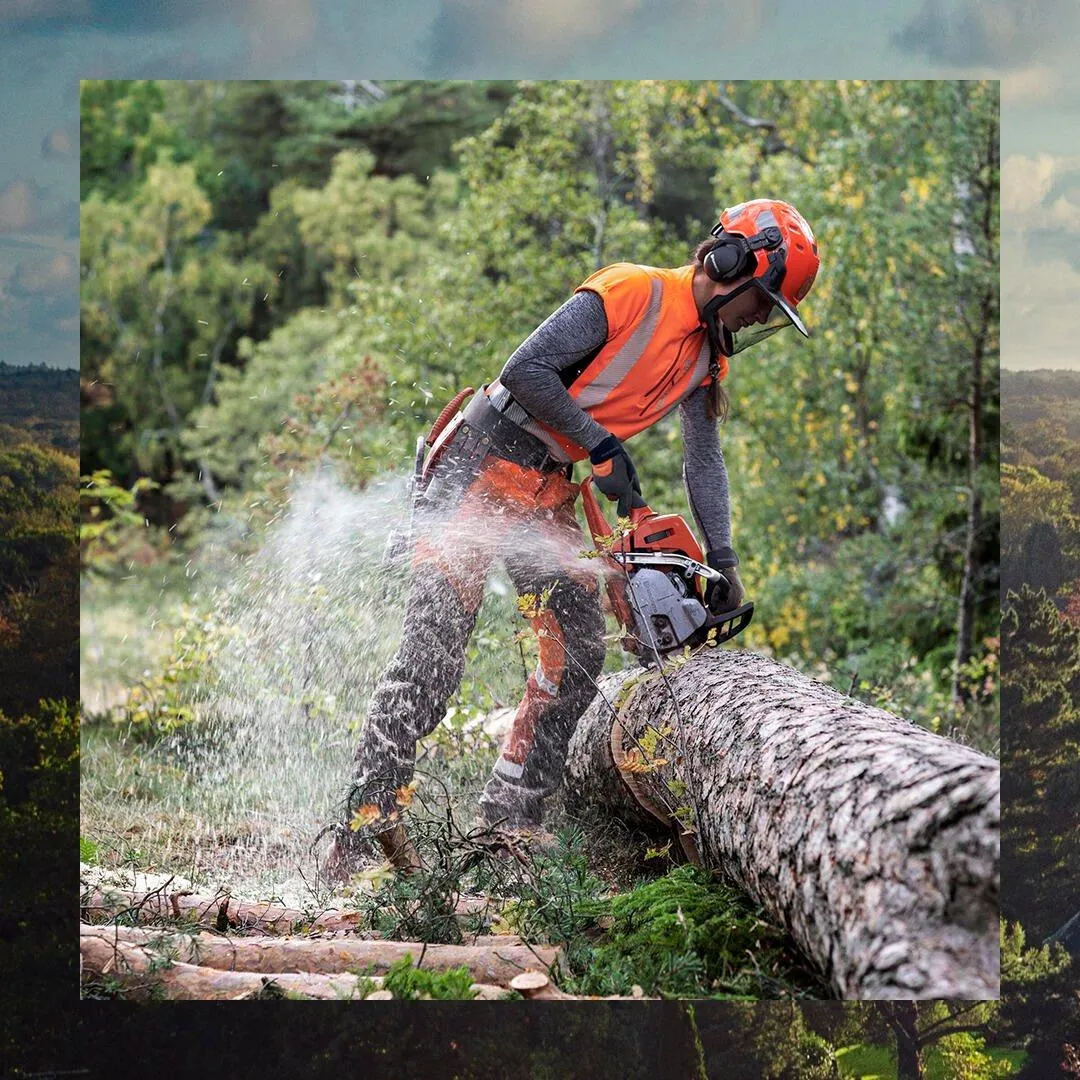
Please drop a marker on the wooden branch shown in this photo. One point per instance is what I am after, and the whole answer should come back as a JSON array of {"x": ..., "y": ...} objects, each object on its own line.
[
  {"x": 215, "y": 360},
  {"x": 773, "y": 143},
  {"x": 744, "y": 118},
  {"x": 874, "y": 842}
]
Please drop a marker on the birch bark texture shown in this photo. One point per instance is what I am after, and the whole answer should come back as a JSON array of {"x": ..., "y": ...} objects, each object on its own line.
[{"x": 872, "y": 841}]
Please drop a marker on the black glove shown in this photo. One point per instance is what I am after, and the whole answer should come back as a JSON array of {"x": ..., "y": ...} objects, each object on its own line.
[
  {"x": 614, "y": 474},
  {"x": 727, "y": 593}
]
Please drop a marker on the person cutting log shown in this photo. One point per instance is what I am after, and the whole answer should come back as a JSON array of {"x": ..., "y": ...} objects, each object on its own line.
[{"x": 632, "y": 344}]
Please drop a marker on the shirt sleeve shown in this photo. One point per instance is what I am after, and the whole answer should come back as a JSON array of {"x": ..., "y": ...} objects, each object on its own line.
[
  {"x": 533, "y": 374},
  {"x": 704, "y": 472}
]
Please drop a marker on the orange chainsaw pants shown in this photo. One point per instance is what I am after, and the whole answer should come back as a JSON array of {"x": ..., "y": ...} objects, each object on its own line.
[{"x": 479, "y": 508}]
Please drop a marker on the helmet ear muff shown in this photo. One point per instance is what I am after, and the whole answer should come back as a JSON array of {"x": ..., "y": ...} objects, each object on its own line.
[{"x": 727, "y": 259}]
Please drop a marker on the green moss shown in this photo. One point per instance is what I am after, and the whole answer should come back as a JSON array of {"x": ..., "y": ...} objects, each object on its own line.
[{"x": 689, "y": 936}]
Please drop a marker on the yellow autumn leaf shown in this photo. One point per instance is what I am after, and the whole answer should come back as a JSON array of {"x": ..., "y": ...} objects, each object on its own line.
[
  {"x": 404, "y": 795},
  {"x": 635, "y": 762},
  {"x": 364, "y": 815},
  {"x": 921, "y": 187}
]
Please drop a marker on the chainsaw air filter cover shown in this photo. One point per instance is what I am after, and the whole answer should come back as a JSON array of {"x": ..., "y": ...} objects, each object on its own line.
[{"x": 665, "y": 615}]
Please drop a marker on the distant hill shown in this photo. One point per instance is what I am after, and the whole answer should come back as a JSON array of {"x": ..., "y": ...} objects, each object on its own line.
[
  {"x": 1059, "y": 382},
  {"x": 42, "y": 404}
]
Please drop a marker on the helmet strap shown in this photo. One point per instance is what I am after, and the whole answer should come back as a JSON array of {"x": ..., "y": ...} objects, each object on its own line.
[{"x": 721, "y": 343}]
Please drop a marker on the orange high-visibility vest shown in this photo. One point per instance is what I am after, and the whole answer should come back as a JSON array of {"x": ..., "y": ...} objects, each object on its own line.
[{"x": 656, "y": 353}]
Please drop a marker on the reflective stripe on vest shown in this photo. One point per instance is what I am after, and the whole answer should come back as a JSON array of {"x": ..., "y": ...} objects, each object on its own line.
[
  {"x": 652, "y": 361},
  {"x": 622, "y": 363}
]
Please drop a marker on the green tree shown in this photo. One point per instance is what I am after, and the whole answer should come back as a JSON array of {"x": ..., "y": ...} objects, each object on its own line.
[
  {"x": 917, "y": 1025},
  {"x": 1040, "y": 660},
  {"x": 161, "y": 302}
]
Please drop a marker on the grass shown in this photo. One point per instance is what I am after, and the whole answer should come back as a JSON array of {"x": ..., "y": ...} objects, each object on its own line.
[
  {"x": 224, "y": 800},
  {"x": 127, "y": 629},
  {"x": 879, "y": 1062}
]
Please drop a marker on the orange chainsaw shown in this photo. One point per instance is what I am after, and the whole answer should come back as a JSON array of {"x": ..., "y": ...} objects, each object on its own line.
[{"x": 659, "y": 583}]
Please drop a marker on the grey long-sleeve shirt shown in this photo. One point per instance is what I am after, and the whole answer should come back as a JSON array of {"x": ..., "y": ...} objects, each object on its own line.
[{"x": 568, "y": 339}]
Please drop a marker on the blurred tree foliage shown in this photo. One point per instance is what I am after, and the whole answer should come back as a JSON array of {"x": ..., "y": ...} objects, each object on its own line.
[
  {"x": 39, "y": 604},
  {"x": 1040, "y": 761},
  {"x": 1039, "y": 1007},
  {"x": 39, "y": 825},
  {"x": 1040, "y": 705},
  {"x": 1040, "y": 484},
  {"x": 277, "y": 273}
]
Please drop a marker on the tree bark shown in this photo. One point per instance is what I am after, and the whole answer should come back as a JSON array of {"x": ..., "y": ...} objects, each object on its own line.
[
  {"x": 329, "y": 956},
  {"x": 873, "y": 842},
  {"x": 903, "y": 1019},
  {"x": 228, "y": 913},
  {"x": 143, "y": 975}
]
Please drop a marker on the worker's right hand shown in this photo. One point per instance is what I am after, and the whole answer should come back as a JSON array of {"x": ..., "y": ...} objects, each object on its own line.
[{"x": 614, "y": 474}]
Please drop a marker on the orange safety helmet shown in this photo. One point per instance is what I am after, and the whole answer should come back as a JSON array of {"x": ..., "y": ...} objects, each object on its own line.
[{"x": 772, "y": 241}]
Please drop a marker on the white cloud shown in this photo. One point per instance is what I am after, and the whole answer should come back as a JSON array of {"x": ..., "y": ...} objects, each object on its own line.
[
  {"x": 1064, "y": 213},
  {"x": 58, "y": 143},
  {"x": 277, "y": 30},
  {"x": 1026, "y": 181},
  {"x": 1038, "y": 303},
  {"x": 50, "y": 275},
  {"x": 568, "y": 32},
  {"x": 18, "y": 206},
  {"x": 1040, "y": 268}
]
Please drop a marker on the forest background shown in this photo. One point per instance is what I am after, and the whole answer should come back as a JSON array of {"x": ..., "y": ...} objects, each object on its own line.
[{"x": 280, "y": 274}]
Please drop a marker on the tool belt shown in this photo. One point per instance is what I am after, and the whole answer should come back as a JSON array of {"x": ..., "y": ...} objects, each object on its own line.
[{"x": 506, "y": 439}]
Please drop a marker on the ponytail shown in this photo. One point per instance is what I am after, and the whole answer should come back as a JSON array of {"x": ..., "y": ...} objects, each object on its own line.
[{"x": 717, "y": 404}]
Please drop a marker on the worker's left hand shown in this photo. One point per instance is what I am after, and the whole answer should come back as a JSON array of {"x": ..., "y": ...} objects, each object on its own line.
[{"x": 727, "y": 593}]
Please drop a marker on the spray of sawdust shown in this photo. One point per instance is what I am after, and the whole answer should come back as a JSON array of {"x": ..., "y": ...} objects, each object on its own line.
[{"x": 312, "y": 619}]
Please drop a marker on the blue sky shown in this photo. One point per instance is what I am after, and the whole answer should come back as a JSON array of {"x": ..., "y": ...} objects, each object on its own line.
[{"x": 46, "y": 46}]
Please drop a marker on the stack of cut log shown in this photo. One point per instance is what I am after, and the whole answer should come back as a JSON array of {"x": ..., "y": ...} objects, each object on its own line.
[{"x": 222, "y": 949}]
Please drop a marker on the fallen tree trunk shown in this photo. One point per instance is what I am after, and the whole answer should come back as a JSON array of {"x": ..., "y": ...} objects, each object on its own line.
[
  {"x": 142, "y": 975},
  {"x": 486, "y": 963},
  {"x": 873, "y": 842},
  {"x": 222, "y": 912}
]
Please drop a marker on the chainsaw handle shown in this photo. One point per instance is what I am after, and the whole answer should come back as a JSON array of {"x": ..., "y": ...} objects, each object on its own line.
[{"x": 598, "y": 524}]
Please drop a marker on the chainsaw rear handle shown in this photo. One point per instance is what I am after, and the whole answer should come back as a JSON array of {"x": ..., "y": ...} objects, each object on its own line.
[
  {"x": 598, "y": 524},
  {"x": 444, "y": 417}
]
